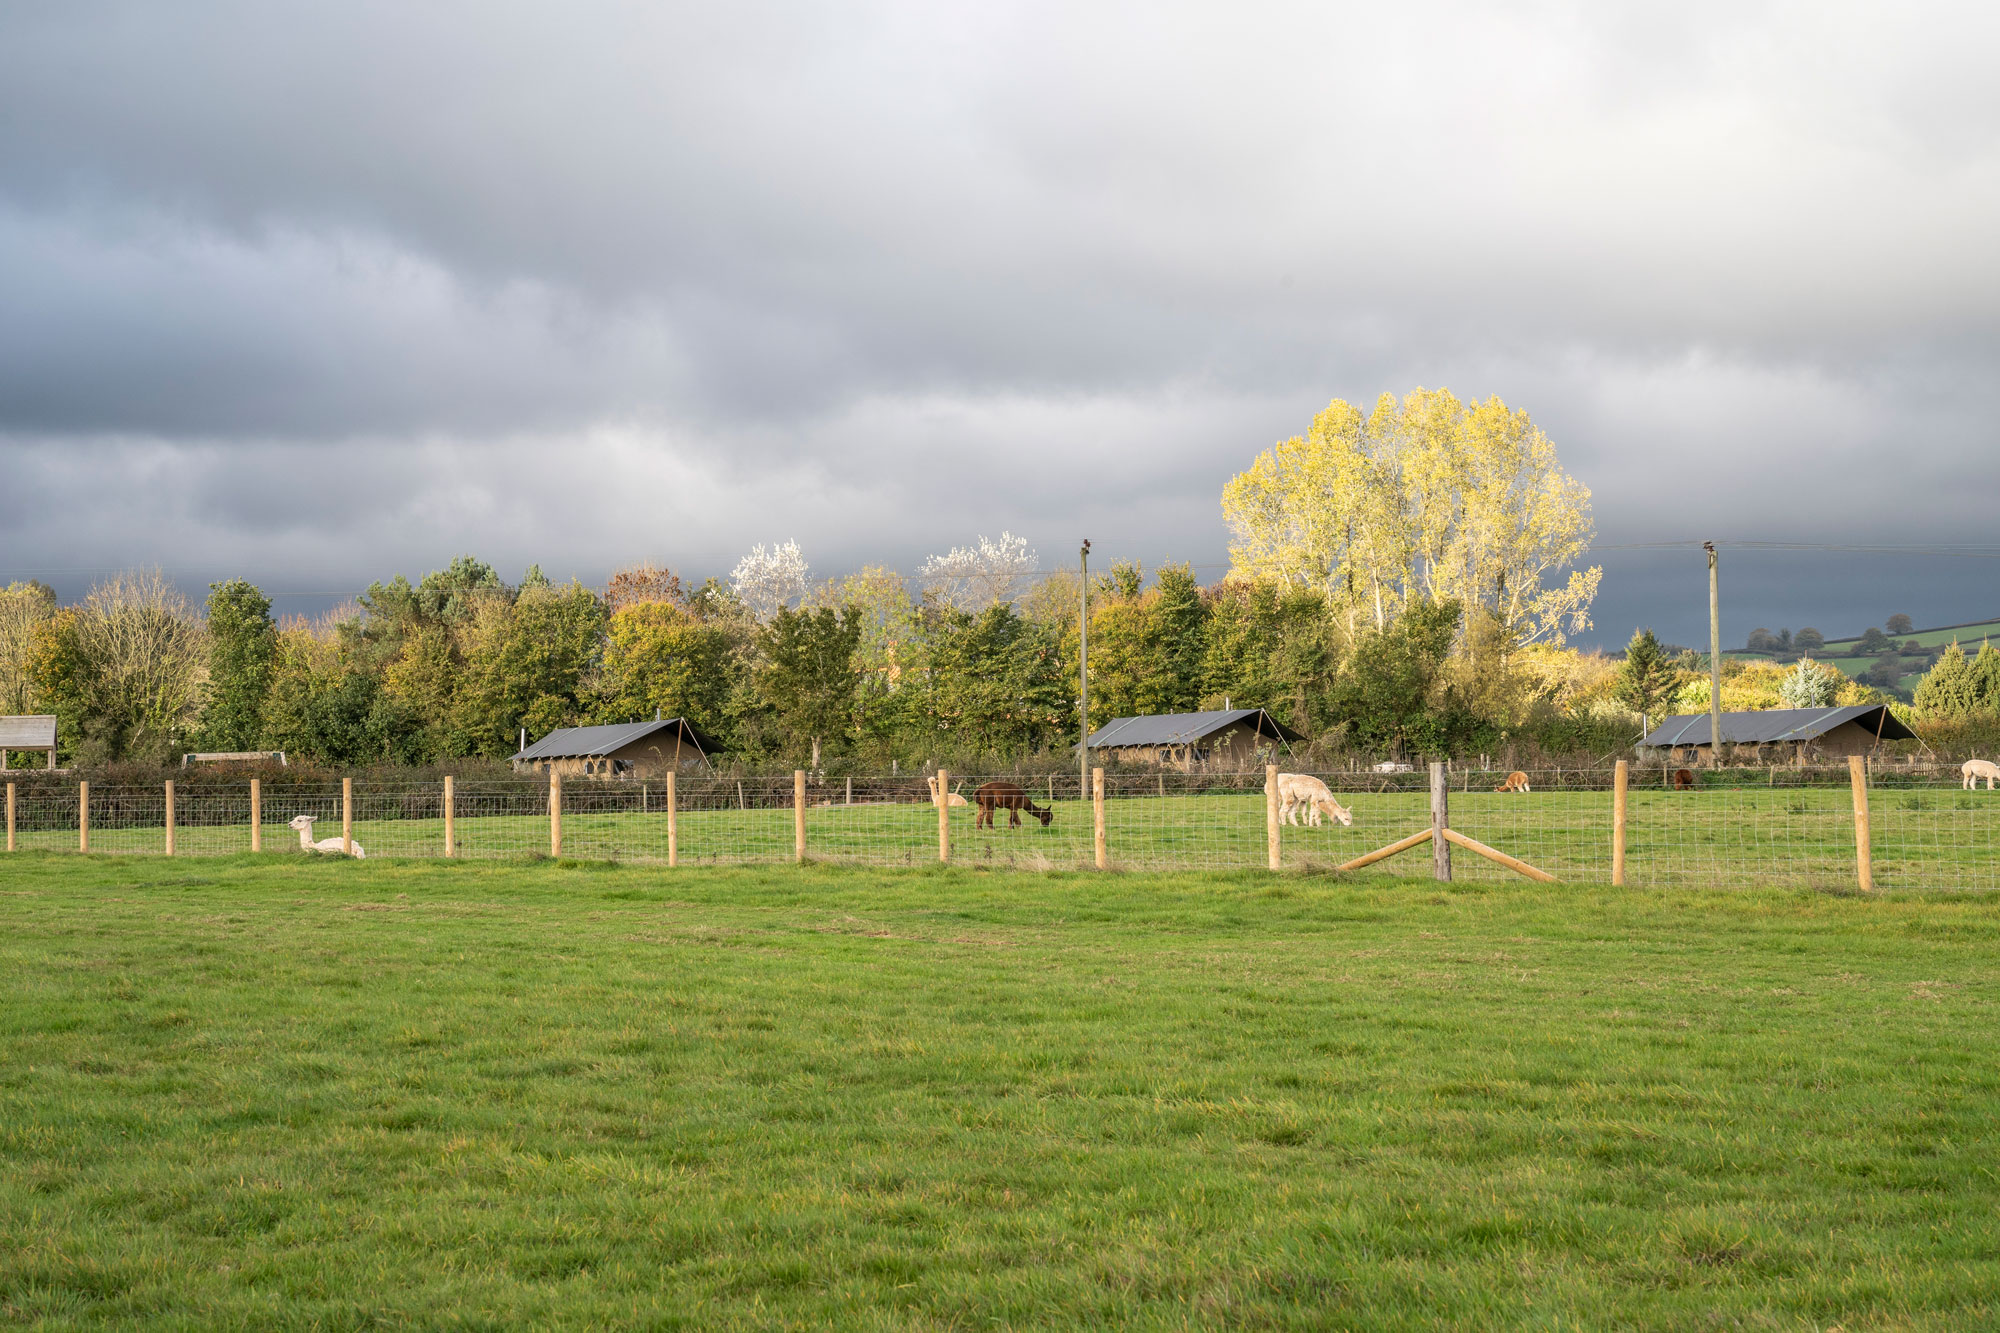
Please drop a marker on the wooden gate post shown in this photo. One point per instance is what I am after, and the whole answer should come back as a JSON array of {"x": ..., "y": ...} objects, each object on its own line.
[
  {"x": 798, "y": 814},
  {"x": 555, "y": 813},
  {"x": 1274, "y": 856},
  {"x": 944, "y": 816},
  {"x": 1864, "y": 867},
  {"x": 170, "y": 816},
  {"x": 673, "y": 828},
  {"x": 1618, "y": 780},
  {"x": 347, "y": 816},
  {"x": 450, "y": 824},
  {"x": 83, "y": 816},
  {"x": 256, "y": 814},
  {"x": 1440, "y": 821},
  {"x": 1103, "y": 852}
]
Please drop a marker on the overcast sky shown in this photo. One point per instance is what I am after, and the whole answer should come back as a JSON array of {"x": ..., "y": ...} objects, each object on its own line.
[{"x": 316, "y": 294}]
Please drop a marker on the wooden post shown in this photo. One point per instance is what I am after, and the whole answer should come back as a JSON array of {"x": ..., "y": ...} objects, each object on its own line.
[
  {"x": 673, "y": 826},
  {"x": 555, "y": 813},
  {"x": 347, "y": 816},
  {"x": 944, "y": 817},
  {"x": 256, "y": 814},
  {"x": 850, "y": 789},
  {"x": 1097, "y": 818},
  {"x": 1273, "y": 846},
  {"x": 798, "y": 814},
  {"x": 83, "y": 816},
  {"x": 10, "y": 816},
  {"x": 1864, "y": 867},
  {"x": 170, "y": 816},
  {"x": 1618, "y": 779},
  {"x": 1440, "y": 821},
  {"x": 450, "y": 826}
]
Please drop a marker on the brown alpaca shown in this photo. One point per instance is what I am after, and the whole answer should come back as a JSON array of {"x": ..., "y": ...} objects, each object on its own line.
[
  {"x": 1006, "y": 796},
  {"x": 1683, "y": 780},
  {"x": 1516, "y": 781}
]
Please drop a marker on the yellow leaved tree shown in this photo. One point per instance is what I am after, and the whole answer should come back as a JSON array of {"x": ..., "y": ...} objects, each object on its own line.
[{"x": 1425, "y": 497}]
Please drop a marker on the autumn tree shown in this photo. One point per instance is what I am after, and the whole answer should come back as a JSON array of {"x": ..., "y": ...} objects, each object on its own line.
[
  {"x": 24, "y": 607},
  {"x": 661, "y": 661},
  {"x": 1427, "y": 498}
]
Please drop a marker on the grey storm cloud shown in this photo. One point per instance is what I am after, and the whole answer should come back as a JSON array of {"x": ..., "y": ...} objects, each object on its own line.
[{"x": 320, "y": 293}]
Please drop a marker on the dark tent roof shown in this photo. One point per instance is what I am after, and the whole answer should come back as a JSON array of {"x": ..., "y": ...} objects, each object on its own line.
[
  {"x": 583, "y": 742},
  {"x": 1183, "y": 728},
  {"x": 1780, "y": 724}
]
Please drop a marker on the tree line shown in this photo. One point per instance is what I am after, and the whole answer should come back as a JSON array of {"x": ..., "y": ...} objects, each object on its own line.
[{"x": 1397, "y": 587}]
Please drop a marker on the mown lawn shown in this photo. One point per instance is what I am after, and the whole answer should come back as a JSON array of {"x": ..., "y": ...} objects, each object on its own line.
[{"x": 246, "y": 1094}]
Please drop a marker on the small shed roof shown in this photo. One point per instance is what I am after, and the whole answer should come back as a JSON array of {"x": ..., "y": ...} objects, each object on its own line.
[
  {"x": 1184, "y": 728},
  {"x": 30, "y": 731},
  {"x": 1779, "y": 724},
  {"x": 585, "y": 742}
]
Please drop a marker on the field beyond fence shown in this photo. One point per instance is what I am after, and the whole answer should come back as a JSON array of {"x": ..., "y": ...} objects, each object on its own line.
[{"x": 1764, "y": 826}]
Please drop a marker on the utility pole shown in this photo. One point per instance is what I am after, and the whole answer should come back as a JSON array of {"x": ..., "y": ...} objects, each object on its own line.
[
  {"x": 1714, "y": 662},
  {"x": 1083, "y": 676}
]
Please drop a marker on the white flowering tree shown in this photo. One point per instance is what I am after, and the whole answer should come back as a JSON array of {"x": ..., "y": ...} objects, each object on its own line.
[
  {"x": 972, "y": 578},
  {"x": 770, "y": 577}
]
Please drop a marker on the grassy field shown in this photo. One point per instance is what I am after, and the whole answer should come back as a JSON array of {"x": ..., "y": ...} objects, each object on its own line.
[
  {"x": 330, "y": 1095},
  {"x": 1927, "y": 837}
]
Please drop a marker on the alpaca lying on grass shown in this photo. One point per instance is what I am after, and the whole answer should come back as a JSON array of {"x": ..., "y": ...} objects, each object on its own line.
[
  {"x": 1974, "y": 769},
  {"x": 1302, "y": 791},
  {"x": 951, "y": 798},
  {"x": 304, "y": 825}
]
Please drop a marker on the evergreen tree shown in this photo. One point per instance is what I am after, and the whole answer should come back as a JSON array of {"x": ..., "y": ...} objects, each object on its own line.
[
  {"x": 242, "y": 644},
  {"x": 1647, "y": 682},
  {"x": 1986, "y": 680},
  {"x": 1947, "y": 689},
  {"x": 1808, "y": 685}
]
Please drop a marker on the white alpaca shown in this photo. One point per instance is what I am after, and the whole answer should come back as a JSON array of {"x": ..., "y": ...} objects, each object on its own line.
[
  {"x": 304, "y": 824},
  {"x": 952, "y": 798},
  {"x": 1302, "y": 791},
  {"x": 1975, "y": 769}
]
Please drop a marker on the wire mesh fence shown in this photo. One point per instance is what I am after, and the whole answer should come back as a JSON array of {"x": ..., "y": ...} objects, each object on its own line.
[{"x": 1779, "y": 826}]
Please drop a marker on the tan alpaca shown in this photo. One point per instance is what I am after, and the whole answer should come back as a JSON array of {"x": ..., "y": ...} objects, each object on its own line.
[
  {"x": 951, "y": 798},
  {"x": 1974, "y": 769},
  {"x": 304, "y": 825},
  {"x": 1516, "y": 781},
  {"x": 1302, "y": 791}
]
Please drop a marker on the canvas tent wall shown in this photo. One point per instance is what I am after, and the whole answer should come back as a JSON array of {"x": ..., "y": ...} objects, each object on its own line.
[{"x": 1223, "y": 738}]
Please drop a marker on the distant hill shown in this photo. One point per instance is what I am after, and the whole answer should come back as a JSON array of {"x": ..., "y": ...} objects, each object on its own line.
[{"x": 1847, "y": 656}]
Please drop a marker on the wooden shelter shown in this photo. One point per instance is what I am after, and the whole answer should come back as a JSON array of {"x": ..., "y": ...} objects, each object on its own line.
[
  {"x": 30, "y": 731},
  {"x": 625, "y": 750},
  {"x": 1223, "y": 738}
]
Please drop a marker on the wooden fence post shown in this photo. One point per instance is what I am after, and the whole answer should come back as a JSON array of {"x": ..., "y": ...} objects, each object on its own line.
[
  {"x": 555, "y": 813},
  {"x": 1864, "y": 867},
  {"x": 170, "y": 816},
  {"x": 256, "y": 814},
  {"x": 1440, "y": 821},
  {"x": 944, "y": 816},
  {"x": 450, "y": 824},
  {"x": 347, "y": 816},
  {"x": 673, "y": 827},
  {"x": 83, "y": 816},
  {"x": 1618, "y": 780},
  {"x": 10, "y": 816},
  {"x": 1274, "y": 851},
  {"x": 798, "y": 814},
  {"x": 1097, "y": 818}
]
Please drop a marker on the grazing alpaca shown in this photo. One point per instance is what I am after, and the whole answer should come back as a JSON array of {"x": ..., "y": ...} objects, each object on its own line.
[
  {"x": 1683, "y": 780},
  {"x": 1009, "y": 797},
  {"x": 304, "y": 824},
  {"x": 950, "y": 799},
  {"x": 1516, "y": 781},
  {"x": 1302, "y": 791},
  {"x": 1975, "y": 769}
]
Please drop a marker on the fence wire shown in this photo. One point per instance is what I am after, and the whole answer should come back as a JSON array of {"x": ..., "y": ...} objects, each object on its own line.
[{"x": 1778, "y": 826}]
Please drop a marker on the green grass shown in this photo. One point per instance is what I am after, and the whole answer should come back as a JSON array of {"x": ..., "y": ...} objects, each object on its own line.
[
  {"x": 1931, "y": 837},
  {"x": 329, "y": 1095}
]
